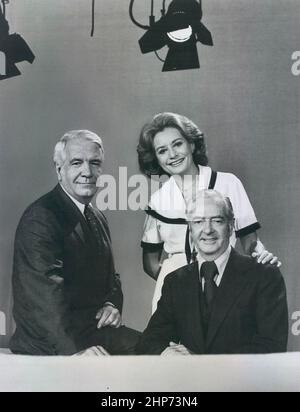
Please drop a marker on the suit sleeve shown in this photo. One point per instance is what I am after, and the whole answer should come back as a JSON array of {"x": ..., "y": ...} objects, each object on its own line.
[
  {"x": 38, "y": 282},
  {"x": 115, "y": 295},
  {"x": 271, "y": 315},
  {"x": 162, "y": 328}
]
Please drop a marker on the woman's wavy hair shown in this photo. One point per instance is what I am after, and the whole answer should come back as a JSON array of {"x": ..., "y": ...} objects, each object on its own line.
[{"x": 146, "y": 153}]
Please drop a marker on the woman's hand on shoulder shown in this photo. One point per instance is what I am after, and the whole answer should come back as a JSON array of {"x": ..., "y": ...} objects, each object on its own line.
[{"x": 265, "y": 257}]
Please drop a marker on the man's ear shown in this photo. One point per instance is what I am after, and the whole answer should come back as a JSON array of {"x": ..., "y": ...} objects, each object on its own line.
[
  {"x": 58, "y": 168},
  {"x": 231, "y": 227}
]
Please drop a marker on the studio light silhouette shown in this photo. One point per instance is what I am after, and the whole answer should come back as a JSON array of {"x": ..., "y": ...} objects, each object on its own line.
[
  {"x": 180, "y": 29},
  {"x": 13, "y": 50}
]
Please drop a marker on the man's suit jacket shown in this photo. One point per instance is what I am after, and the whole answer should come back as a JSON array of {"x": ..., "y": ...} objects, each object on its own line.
[
  {"x": 61, "y": 278},
  {"x": 249, "y": 312}
]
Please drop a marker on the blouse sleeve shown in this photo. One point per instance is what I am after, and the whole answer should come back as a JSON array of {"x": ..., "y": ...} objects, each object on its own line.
[
  {"x": 151, "y": 239},
  {"x": 245, "y": 218}
]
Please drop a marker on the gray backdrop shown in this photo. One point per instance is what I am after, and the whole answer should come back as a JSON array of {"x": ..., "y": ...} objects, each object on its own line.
[{"x": 244, "y": 98}]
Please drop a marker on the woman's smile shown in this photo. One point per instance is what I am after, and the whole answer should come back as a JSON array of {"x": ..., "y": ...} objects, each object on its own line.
[{"x": 176, "y": 163}]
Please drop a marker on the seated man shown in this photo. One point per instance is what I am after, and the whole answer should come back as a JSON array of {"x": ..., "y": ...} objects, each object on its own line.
[
  {"x": 224, "y": 303},
  {"x": 67, "y": 295}
]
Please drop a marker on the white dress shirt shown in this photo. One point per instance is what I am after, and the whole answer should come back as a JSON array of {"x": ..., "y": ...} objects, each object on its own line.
[
  {"x": 221, "y": 264},
  {"x": 80, "y": 206}
]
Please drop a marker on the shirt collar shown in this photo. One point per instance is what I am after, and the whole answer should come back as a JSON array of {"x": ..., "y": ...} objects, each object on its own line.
[
  {"x": 203, "y": 178},
  {"x": 80, "y": 206},
  {"x": 169, "y": 202},
  {"x": 221, "y": 262}
]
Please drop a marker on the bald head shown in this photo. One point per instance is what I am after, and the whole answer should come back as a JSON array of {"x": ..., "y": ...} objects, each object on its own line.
[{"x": 211, "y": 221}]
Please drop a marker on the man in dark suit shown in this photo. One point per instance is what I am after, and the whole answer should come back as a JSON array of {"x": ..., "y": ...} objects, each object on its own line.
[
  {"x": 67, "y": 295},
  {"x": 224, "y": 303}
]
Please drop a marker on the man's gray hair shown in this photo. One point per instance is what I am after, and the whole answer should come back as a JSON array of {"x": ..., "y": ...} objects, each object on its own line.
[
  {"x": 60, "y": 147},
  {"x": 196, "y": 204}
]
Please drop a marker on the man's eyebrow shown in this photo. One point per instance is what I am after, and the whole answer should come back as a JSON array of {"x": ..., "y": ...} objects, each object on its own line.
[
  {"x": 76, "y": 159},
  {"x": 212, "y": 217},
  {"x": 91, "y": 159}
]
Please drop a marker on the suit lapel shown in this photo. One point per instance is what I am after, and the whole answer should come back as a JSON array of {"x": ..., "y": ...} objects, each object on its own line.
[
  {"x": 233, "y": 283},
  {"x": 191, "y": 306},
  {"x": 79, "y": 232},
  {"x": 73, "y": 216}
]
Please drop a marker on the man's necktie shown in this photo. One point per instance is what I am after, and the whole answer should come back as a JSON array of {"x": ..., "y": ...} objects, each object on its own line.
[
  {"x": 93, "y": 224},
  {"x": 103, "y": 245},
  {"x": 209, "y": 271}
]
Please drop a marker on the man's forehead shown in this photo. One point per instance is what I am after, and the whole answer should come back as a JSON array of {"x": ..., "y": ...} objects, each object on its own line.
[
  {"x": 81, "y": 147},
  {"x": 208, "y": 207}
]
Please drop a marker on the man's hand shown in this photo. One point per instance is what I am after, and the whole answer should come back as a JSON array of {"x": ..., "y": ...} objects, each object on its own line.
[
  {"x": 176, "y": 350},
  {"x": 94, "y": 351},
  {"x": 109, "y": 316},
  {"x": 263, "y": 256}
]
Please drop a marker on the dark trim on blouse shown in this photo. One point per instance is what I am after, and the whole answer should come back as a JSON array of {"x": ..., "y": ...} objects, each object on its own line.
[
  {"x": 188, "y": 252},
  {"x": 248, "y": 230},
  {"x": 164, "y": 219},
  {"x": 179, "y": 221},
  {"x": 213, "y": 180},
  {"x": 152, "y": 247}
]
